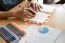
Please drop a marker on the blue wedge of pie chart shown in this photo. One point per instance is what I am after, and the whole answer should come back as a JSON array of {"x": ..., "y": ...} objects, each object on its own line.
[{"x": 43, "y": 30}]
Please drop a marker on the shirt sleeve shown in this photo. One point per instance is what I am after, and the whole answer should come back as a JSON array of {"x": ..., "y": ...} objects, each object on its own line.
[{"x": 9, "y": 4}]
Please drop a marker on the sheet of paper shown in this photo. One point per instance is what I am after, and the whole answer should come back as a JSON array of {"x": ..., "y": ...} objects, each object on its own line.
[
  {"x": 51, "y": 35},
  {"x": 40, "y": 17},
  {"x": 34, "y": 36}
]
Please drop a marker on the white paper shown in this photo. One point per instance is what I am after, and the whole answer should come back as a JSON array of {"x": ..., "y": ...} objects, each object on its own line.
[
  {"x": 50, "y": 36},
  {"x": 40, "y": 17},
  {"x": 34, "y": 36}
]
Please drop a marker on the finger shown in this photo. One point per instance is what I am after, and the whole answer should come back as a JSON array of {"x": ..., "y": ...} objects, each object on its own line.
[
  {"x": 28, "y": 15},
  {"x": 30, "y": 10},
  {"x": 41, "y": 7},
  {"x": 31, "y": 5},
  {"x": 35, "y": 7},
  {"x": 27, "y": 9}
]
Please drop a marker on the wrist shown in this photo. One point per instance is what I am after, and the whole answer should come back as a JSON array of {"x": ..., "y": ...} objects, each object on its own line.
[
  {"x": 5, "y": 14},
  {"x": 11, "y": 14}
]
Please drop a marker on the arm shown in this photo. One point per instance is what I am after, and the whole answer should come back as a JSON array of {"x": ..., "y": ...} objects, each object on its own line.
[
  {"x": 5, "y": 14},
  {"x": 13, "y": 12},
  {"x": 17, "y": 11}
]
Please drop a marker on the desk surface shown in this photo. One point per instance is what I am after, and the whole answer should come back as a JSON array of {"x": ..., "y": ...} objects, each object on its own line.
[{"x": 50, "y": 23}]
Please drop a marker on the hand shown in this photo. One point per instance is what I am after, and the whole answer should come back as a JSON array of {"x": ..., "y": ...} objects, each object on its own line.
[
  {"x": 24, "y": 14},
  {"x": 36, "y": 7}
]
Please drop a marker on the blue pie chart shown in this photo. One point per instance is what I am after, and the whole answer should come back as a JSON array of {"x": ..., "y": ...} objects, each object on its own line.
[{"x": 44, "y": 30}]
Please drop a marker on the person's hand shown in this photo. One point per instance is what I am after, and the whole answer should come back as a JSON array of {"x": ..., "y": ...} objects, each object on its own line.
[
  {"x": 24, "y": 13},
  {"x": 36, "y": 7}
]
